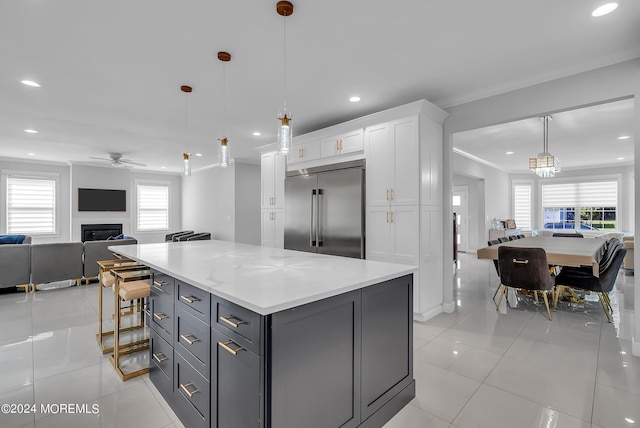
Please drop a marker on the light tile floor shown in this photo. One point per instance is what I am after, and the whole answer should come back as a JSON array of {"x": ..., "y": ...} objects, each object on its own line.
[{"x": 476, "y": 367}]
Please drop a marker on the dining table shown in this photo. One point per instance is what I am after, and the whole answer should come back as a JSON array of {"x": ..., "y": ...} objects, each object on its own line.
[{"x": 561, "y": 251}]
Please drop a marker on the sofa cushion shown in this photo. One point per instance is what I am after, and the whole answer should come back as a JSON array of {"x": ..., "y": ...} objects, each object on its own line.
[{"x": 11, "y": 239}]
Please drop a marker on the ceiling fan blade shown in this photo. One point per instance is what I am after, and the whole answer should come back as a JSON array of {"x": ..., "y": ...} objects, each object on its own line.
[
  {"x": 132, "y": 162},
  {"x": 104, "y": 159}
]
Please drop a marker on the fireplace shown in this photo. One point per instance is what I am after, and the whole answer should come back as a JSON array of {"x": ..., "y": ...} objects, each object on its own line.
[{"x": 99, "y": 232}]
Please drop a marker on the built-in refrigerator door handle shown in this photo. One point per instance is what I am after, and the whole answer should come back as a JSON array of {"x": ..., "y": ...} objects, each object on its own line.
[
  {"x": 319, "y": 216},
  {"x": 312, "y": 229}
]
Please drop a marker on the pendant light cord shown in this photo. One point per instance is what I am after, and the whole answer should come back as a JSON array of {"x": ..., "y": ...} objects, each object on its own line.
[
  {"x": 224, "y": 100},
  {"x": 285, "y": 63},
  {"x": 186, "y": 120}
]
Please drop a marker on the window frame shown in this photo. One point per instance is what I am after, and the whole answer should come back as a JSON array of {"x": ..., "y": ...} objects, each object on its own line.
[
  {"x": 531, "y": 185},
  {"x": 4, "y": 205},
  {"x": 135, "y": 210}
]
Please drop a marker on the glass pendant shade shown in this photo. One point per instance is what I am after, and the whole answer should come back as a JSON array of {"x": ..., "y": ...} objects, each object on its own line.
[
  {"x": 545, "y": 165},
  {"x": 186, "y": 165},
  {"x": 284, "y": 132},
  {"x": 223, "y": 153}
]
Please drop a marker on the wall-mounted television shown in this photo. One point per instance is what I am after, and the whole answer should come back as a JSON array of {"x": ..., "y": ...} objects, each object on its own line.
[{"x": 102, "y": 200}]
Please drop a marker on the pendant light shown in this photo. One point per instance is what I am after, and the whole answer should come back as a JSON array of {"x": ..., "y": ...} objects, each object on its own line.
[
  {"x": 223, "y": 150},
  {"x": 545, "y": 165},
  {"x": 284, "y": 8},
  {"x": 186, "y": 161}
]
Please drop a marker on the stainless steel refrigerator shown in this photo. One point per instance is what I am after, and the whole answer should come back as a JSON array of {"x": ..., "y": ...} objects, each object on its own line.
[{"x": 324, "y": 210}]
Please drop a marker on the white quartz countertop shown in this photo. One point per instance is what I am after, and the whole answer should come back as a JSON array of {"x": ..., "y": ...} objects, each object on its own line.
[{"x": 264, "y": 280}]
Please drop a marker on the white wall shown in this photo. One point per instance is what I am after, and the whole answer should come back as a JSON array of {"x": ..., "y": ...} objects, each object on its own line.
[
  {"x": 477, "y": 231},
  {"x": 93, "y": 177},
  {"x": 610, "y": 83},
  {"x": 224, "y": 202},
  {"x": 494, "y": 200},
  {"x": 63, "y": 203}
]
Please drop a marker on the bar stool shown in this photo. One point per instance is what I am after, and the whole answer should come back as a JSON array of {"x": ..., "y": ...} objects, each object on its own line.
[
  {"x": 130, "y": 285},
  {"x": 107, "y": 280}
]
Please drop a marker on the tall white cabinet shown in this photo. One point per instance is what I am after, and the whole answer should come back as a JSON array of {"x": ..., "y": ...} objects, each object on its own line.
[
  {"x": 404, "y": 195},
  {"x": 272, "y": 174}
]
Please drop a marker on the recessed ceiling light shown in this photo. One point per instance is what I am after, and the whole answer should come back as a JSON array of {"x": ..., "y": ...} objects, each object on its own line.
[
  {"x": 620, "y": 158},
  {"x": 198, "y": 154},
  {"x": 354, "y": 99},
  {"x": 508, "y": 153},
  {"x": 256, "y": 134},
  {"x": 624, "y": 137},
  {"x": 31, "y": 131},
  {"x": 604, "y": 9},
  {"x": 163, "y": 167},
  {"x": 30, "y": 83},
  {"x": 31, "y": 154}
]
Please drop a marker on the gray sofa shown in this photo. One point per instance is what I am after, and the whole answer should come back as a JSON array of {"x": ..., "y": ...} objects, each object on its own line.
[{"x": 24, "y": 264}]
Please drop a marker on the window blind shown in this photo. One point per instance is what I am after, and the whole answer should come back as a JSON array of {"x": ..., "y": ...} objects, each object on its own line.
[
  {"x": 31, "y": 206},
  {"x": 153, "y": 207},
  {"x": 522, "y": 206},
  {"x": 582, "y": 194}
]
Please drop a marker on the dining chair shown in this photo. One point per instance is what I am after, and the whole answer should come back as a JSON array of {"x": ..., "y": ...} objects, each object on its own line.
[
  {"x": 525, "y": 268},
  {"x": 567, "y": 235},
  {"x": 583, "y": 278},
  {"x": 503, "y": 239}
]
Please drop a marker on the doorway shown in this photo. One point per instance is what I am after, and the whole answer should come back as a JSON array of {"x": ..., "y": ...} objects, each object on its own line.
[{"x": 460, "y": 202}]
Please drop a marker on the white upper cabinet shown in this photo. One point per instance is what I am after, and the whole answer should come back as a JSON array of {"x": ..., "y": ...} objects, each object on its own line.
[
  {"x": 344, "y": 143},
  {"x": 393, "y": 163},
  {"x": 304, "y": 151},
  {"x": 272, "y": 180}
]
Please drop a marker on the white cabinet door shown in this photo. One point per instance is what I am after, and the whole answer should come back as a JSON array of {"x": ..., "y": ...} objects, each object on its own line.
[
  {"x": 273, "y": 228},
  {"x": 330, "y": 146},
  {"x": 378, "y": 242},
  {"x": 352, "y": 142},
  {"x": 272, "y": 174},
  {"x": 305, "y": 151},
  {"x": 405, "y": 226},
  {"x": 267, "y": 173},
  {"x": 406, "y": 164},
  {"x": 380, "y": 164}
]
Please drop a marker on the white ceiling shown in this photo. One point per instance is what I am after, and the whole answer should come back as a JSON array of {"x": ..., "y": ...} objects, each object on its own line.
[
  {"x": 582, "y": 138},
  {"x": 111, "y": 71}
]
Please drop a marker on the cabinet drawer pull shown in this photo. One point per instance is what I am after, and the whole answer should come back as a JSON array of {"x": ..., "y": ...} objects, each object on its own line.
[
  {"x": 159, "y": 357},
  {"x": 226, "y": 347},
  {"x": 387, "y": 197},
  {"x": 190, "y": 299},
  {"x": 341, "y": 147},
  {"x": 391, "y": 197},
  {"x": 185, "y": 388},
  {"x": 387, "y": 216},
  {"x": 159, "y": 283},
  {"x": 190, "y": 338},
  {"x": 160, "y": 316},
  {"x": 231, "y": 323},
  {"x": 391, "y": 221}
]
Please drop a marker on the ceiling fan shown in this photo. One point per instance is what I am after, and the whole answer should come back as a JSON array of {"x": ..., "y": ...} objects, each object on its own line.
[{"x": 117, "y": 161}]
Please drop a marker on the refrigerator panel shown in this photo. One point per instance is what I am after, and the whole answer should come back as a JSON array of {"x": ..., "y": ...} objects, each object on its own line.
[
  {"x": 340, "y": 212},
  {"x": 300, "y": 232}
]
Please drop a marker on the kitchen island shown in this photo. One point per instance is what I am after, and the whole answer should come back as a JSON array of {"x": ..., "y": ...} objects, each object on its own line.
[{"x": 248, "y": 336}]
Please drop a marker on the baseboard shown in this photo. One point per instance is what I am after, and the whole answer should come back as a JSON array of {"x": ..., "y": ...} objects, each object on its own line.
[{"x": 425, "y": 316}]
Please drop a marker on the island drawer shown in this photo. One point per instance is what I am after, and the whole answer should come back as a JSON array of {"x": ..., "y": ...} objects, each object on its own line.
[
  {"x": 192, "y": 394},
  {"x": 193, "y": 340},
  {"x": 163, "y": 283},
  {"x": 194, "y": 298},
  {"x": 161, "y": 367},
  {"x": 240, "y": 324},
  {"x": 162, "y": 314}
]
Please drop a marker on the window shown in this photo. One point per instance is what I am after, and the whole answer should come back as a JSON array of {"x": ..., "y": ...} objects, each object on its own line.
[
  {"x": 522, "y": 206},
  {"x": 31, "y": 205},
  {"x": 583, "y": 205},
  {"x": 153, "y": 207}
]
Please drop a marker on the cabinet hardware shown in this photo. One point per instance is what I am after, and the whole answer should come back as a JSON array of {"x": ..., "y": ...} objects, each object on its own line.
[
  {"x": 185, "y": 388},
  {"x": 226, "y": 347},
  {"x": 159, "y": 283},
  {"x": 391, "y": 198},
  {"x": 337, "y": 146},
  {"x": 231, "y": 323},
  {"x": 190, "y": 338},
  {"x": 160, "y": 316},
  {"x": 160, "y": 357},
  {"x": 387, "y": 216},
  {"x": 387, "y": 195},
  {"x": 391, "y": 217},
  {"x": 190, "y": 299},
  {"x": 147, "y": 311},
  {"x": 341, "y": 144}
]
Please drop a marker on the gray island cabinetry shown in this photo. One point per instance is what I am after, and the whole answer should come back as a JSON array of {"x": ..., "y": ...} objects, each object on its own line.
[{"x": 278, "y": 355}]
